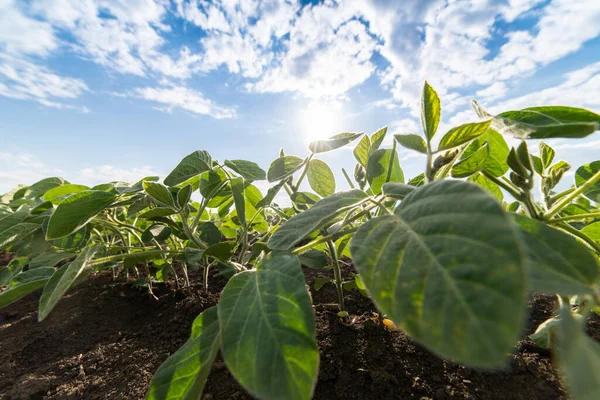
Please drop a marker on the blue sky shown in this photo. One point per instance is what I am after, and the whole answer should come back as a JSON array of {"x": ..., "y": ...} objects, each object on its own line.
[{"x": 100, "y": 90}]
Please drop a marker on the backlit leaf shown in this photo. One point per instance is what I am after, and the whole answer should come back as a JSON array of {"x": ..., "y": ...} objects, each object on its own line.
[
  {"x": 378, "y": 169},
  {"x": 191, "y": 165},
  {"x": 430, "y": 111},
  {"x": 334, "y": 142},
  {"x": 463, "y": 134},
  {"x": 247, "y": 169},
  {"x": 320, "y": 177},
  {"x": 284, "y": 167}
]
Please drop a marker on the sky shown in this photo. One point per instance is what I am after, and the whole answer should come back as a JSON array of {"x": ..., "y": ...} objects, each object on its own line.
[{"x": 103, "y": 90}]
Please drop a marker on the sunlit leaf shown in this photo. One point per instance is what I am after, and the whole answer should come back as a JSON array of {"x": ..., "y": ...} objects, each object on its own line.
[{"x": 320, "y": 177}]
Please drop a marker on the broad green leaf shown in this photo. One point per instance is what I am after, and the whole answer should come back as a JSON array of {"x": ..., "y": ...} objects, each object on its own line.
[
  {"x": 76, "y": 211},
  {"x": 49, "y": 259},
  {"x": 160, "y": 193},
  {"x": 252, "y": 193},
  {"x": 430, "y": 111},
  {"x": 184, "y": 195},
  {"x": 270, "y": 196},
  {"x": 313, "y": 259},
  {"x": 463, "y": 134},
  {"x": 584, "y": 173},
  {"x": 558, "y": 263},
  {"x": 378, "y": 169},
  {"x": 62, "y": 280},
  {"x": 546, "y": 154},
  {"x": 59, "y": 193},
  {"x": 267, "y": 330},
  {"x": 306, "y": 198},
  {"x": 27, "y": 282},
  {"x": 13, "y": 218},
  {"x": 578, "y": 357},
  {"x": 75, "y": 240},
  {"x": 39, "y": 188},
  {"x": 377, "y": 138},
  {"x": 5, "y": 276},
  {"x": 487, "y": 184},
  {"x": 320, "y": 178},
  {"x": 548, "y": 115},
  {"x": 191, "y": 165},
  {"x": 472, "y": 164},
  {"x": 157, "y": 232},
  {"x": 6, "y": 198},
  {"x": 447, "y": 267},
  {"x": 284, "y": 167},
  {"x": 210, "y": 181},
  {"x": 247, "y": 169},
  {"x": 136, "y": 187},
  {"x": 184, "y": 373},
  {"x": 221, "y": 251},
  {"x": 16, "y": 265},
  {"x": 362, "y": 150},
  {"x": 397, "y": 190},
  {"x": 237, "y": 189},
  {"x": 413, "y": 142},
  {"x": 538, "y": 165},
  {"x": 418, "y": 180},
  {"x": 334, "y": 142},
  {"x": 301, "y": 225},
  {"x": 17, "y": 232},
  {"x": 157, "y": 212},
  {"x": 209, "y": 233},
  {"x": 592, "y": 231}
]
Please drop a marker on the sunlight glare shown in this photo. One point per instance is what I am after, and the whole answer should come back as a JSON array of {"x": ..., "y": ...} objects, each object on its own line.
[{"x": 319, "y": 121}]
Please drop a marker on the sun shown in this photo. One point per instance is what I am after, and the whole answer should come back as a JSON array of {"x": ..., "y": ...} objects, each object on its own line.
[{"x": 319, "y": 121}]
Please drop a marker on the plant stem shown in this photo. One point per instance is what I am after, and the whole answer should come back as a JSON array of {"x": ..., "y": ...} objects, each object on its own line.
[
  {"x": 324, "y": 239},
  {"x": 337, "y": 273},
  {"x": 118, "y": 257},
  {"x": 429, "y": 165},
  {"x": 560, "y": 195},
  {"x": 391, "y": 163},
  {"x": 556, "y": 208},
  {"x": 303, "y": 174},
  {"x": 513, "y": 191},
  {"x": 577, "y": 217},
  {"x": 348, "y": 179},
  {"x": 188, "y": 232},
  {"x": 580, "y": 235}
]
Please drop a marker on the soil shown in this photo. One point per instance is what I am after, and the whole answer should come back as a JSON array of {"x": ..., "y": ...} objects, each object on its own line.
[{"x": 105, "y": 339}]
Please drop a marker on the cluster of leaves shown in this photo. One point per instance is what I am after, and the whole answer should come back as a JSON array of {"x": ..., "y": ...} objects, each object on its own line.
[{"x": 444, "y": 255}]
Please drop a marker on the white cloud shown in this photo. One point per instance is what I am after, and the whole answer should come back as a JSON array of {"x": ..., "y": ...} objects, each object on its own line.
[
  {"x": 495, "y": 91},
  {"x": 21, "y": 34},
  {"x": 184, "y": 98}
]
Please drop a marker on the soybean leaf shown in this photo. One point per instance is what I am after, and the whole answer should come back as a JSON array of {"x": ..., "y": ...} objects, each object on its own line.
[
  {"x": 62, "y": 280},
  {"x": 496, "y": 162},
  {"x": 75, "y": 240},
  {"x": 584, "y": 173},
  {"x": 17, "y": 232},
  {"x": 183, "y": 375},
  {"x": 210, "y": 181},
  {"x": 558, "y": 263},
  {"x": 578, "y": 357},
  {"x": 76, "y": 211},
  {"x": 13, "y": 218},
  {"x": 247, "y": 169},
  {"x": 418, "y": 180},
  {"x": 472, "y": 164},
  {"x": 413, "y": 142},
  {"x": 221, "y": 251},
  {"x": 397, "y": 190},
  {"x": 237, "y": 189},
  {"x": 191, "y": 165},
  {"x": 160, "y": 193},
  {"x": 447, "y": 267},
  {"x": 362, "y": 150},
  {"x": 157, "y": 232},
  {"x": 184, "y": 195},
  {"x": 546, "y": 154},
  {"x": 59, "y": 193},
  {"x": 39, "y": 188},
  {"x": 5, "y": 276},
  {"x": 430, "y": 111},
  {"x": 313, "y": 259},
  {"x": 378, "y": 169},
  {"x": 271, "y": 193},
  {"x": 27, "y": 282},
  {"x": 334, "y": 142},
  {"x": 377, "y": 138},
  {"x": 301, "y": 225},
  {"x": 463, "y": 134},
  {"x": 49, "y": 259},
  {"x": 157, "y": 212},
  {"x": 209, "y": 233},
  {"x": 487, "y": 184},
  {"x": 284, "y": 167},
  {"x": 267, "y": 330},
  {"x": 304, "y": 198},
  {"x": 538, "y": 165},
  {"x": 320, "y": 178}
]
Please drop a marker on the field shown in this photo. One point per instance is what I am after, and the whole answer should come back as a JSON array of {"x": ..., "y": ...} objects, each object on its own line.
[{"x": 477, "y": 279}]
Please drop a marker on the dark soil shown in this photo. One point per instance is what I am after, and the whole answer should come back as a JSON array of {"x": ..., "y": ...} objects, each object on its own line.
[{"x": 106, "y": 339}]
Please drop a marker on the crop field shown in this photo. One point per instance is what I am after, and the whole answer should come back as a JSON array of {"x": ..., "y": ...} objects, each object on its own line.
[{"x": 478, "y": 278}]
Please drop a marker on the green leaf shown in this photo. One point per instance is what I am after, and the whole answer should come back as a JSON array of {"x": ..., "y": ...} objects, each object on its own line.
[
  {"x": 76, "y": 211},
  {"x": 378, "y": 169},
  {"x": 183, "y": 375},
  {"x": 313, "y": 259},
  {"x": 75, "y": 240},
  {"x": 157, "y": 232},
  {"x": 39, "y": 188},
  {"x": 209, "y": 233},
  {"x": 320, "y": 178},
  {"x": 584, "y": 173},
  {"x": 49, "y": 259},
  {"x": 418, "y": 180},
  {"x": 301, "y": 225},
  {"x": 538, "y": 165},
  {"x": 221, "y": 251},
  {"x": 16, "y": 233},
  {"x": 59, "y": 193},
  {"x": 237, "y": 189},
  {"x": 578, "y": 358},
  {"x": 184, "y": 195},
  {"x": 592, "y": 231},
  {"x": 267, "y": 330},
  {"x": 25, "y": 283},
  {"x": 191, "y": 165},
  {"x": 377, "y": 138},
  {"x": 546, "y": 154},
  {"x": 210, "y": 181},
  {"x": 5, "y": 277},
  {"x": 271, "y": 193},
  {"x": 62, "y": 280},
  {"x": 482, "y": 181},
  {"x": 13, "y": 218},
  {"x": 448, "y": 269},
  {"x": 413, "y": 142},
  {"x": 306, "y": 198},
  {"x": 430, "y": 111},
  {"x": 247, "y": 169},
  {"x": 558, "y": 263},
  {"x": 320, "y": 282},
  {"x": 495, "y": 164},
  {"x": 397, "y": 190},
  {"x": 160, "y": 193},
  {"x": 463, "y": 134},
  {"x": 362, "y": 150},
  {"x": 472, "y": 164},
  {"x": 334, "y": 142},
  {"x": 284, "y": 167},
  {"x": 157, "y": 212}
]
